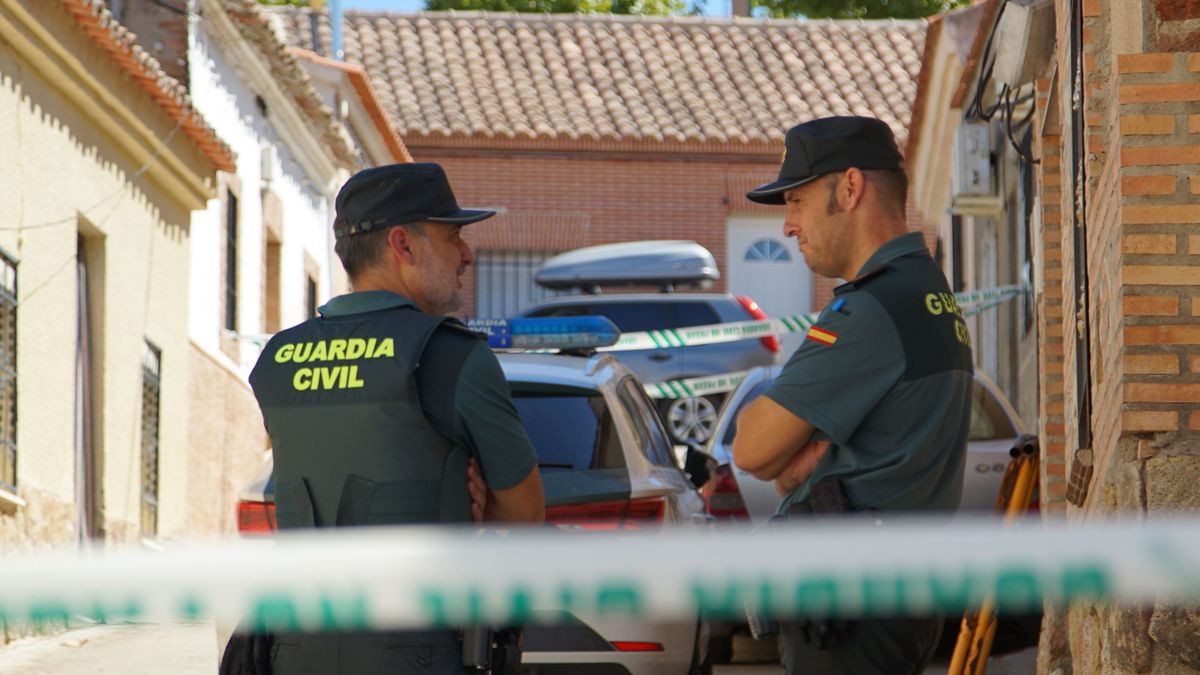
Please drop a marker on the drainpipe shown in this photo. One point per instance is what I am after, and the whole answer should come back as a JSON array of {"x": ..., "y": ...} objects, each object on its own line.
[
  {"x": 335, "y": 19},
  {"x": 335, "y": 22},
  {"x": 1083, "y": 341}
]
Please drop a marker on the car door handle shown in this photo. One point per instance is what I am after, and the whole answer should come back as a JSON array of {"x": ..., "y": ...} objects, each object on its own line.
[{"x": 661, "y": 356}]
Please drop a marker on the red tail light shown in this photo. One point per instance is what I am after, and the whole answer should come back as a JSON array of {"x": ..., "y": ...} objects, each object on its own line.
[
  {"x": 755, "y": 311},
  {"x": 722, "y": 496},
  {"x": 637, "y": 646},
  {"x": 255, "y": 519},
  {"x": 634, "y": 514}
]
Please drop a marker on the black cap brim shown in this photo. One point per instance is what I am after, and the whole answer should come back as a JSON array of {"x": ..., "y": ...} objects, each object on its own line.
[
  {"x": 463, "y": 217},
  {"x": 772, "y": 193}
]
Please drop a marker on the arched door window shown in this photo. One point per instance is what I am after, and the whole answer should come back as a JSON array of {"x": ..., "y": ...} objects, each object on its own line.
[{"x": 767, "y": 250}]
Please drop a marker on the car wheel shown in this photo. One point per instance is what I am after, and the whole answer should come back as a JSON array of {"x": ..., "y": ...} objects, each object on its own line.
[{"x": 690, "y": 419}]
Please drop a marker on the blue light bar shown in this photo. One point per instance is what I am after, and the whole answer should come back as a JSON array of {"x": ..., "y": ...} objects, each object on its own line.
[{"x": 567, "y": 332}]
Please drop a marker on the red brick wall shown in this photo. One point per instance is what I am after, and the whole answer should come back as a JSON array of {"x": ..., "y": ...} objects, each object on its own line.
[
  {"x": 1049, "y": 253},
  {"x": 162, "y": 32},
  {"x": 1160, "y": 146},
  {"x": 558, "y": 203}
]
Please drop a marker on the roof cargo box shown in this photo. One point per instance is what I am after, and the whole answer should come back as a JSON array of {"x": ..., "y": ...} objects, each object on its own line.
[{"x": 666, "y": 264}]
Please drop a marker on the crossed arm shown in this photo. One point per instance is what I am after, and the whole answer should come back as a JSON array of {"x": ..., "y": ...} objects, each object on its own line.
[
  {"x": 772, "y": 443},
  {"x": 522, "y": 503}
]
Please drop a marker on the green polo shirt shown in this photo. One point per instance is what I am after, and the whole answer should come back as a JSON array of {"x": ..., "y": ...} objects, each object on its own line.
[
  {"x": 886, "y": 374},
  {"x": 475, "y": 411}
]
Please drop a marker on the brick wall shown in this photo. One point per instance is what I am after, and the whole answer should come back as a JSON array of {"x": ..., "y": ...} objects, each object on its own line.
[
  {"x": 1142, "y": 147},
  {"x": 161, "y": 28},
  {"x": 558, "y": 202},
  {"x": 1160, "y": 147},
  {"x": 1048, "y": 253},
  {"x": 563, "y": 202}
]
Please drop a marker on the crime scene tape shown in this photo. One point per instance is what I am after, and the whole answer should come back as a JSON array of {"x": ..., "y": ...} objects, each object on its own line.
[
  {"x": 378, "y": 577},
  {"x": 743, "y": 330},
  {"x": 695, "y": 386},
  {"x": 716, "y": 384}
]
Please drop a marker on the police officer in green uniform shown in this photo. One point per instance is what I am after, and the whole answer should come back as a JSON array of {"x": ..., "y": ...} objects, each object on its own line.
[
  {"x": 871, "y": 412},
  {"x": 379, "y": 407}
]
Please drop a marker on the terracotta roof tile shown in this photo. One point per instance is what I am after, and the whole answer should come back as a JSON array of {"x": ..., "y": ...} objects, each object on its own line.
[
  {"x": 255, "y": 26},
  {"x": 607, "y": 78},
  {"x": 170, "y": 95}
]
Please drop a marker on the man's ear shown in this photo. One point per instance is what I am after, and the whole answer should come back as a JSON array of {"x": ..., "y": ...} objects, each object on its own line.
[
  {"x": 852, "y": 188},
  {"x": 399, "y": 241}
]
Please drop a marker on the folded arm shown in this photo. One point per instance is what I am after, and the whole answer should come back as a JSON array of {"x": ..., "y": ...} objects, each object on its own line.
[{"x": 768, "y": 438}]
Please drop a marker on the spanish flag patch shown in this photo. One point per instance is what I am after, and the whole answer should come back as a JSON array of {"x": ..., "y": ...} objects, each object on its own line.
[{"x": 821, "y": 335}]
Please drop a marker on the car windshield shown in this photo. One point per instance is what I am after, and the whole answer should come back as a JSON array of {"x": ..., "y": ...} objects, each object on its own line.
[
  {"x": 754, "y": 393},
  {"x": 988, "y": 421},
  {"x": 570, "y": 431},
  {"x": 632, "y": 317}
]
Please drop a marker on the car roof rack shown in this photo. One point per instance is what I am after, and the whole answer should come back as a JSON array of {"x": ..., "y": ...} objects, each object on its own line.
[{"x": 665, "y": 264}]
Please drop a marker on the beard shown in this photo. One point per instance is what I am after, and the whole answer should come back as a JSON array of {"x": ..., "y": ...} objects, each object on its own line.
[{"x": 442, "y": 293}]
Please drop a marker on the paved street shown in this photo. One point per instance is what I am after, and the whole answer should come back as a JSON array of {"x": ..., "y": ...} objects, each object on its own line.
[
  {"x": 183, "y": 648},
  {"x": 132, "y": 649}
]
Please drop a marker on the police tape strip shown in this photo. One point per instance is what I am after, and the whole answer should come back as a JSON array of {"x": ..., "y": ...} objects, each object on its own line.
[
  {"x": 716, "y": 384},
  {"x": 696, "y": 386},
  {"x": 744, "y": 330},
  {"x": 410, "y": 577}
]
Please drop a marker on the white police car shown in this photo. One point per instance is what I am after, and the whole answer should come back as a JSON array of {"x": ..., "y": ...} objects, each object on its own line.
[
  {"x": 606, "y": 465},
  {"x": 994, "y": 428}
]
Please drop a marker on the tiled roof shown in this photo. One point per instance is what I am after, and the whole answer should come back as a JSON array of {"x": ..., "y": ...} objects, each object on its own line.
[
  {"x": 366, "y": 93},
  {"x": 255, "y": 26},
  {"x": 616, "y": 80},
  {"x": 167, "y": 92}
]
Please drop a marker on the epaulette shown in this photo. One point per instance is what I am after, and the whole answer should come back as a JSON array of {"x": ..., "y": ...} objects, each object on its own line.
[
  {"x": 456, "y": 326},
  {"x": 862, "y": 280}
]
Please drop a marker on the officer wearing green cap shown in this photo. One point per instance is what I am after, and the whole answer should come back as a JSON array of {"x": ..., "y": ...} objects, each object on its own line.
[
  {"x": 871, "y": 413},
  {"x": 379, "y": 407}
]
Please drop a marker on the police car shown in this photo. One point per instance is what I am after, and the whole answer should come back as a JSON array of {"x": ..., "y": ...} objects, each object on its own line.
[
  {"x": 667, "y": 265},
  {"x": 994, "y": 428},
  {"x": 606, "y": 465}
]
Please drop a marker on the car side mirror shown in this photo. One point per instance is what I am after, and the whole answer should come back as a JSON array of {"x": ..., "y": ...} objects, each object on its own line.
[{"x": 699, "y": 465}]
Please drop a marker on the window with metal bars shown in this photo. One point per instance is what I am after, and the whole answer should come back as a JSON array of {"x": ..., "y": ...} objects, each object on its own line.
[
  {"x": 151, "y": 381},
  {"x": 8, "y": 374},
  {"x": 504, "y": 281},
  {"x": 231, "y": 260},
  {"x": 310, "y": 297}
]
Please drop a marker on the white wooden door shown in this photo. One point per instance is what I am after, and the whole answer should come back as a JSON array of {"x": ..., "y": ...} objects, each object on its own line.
[{"x": 767, "y": 266}]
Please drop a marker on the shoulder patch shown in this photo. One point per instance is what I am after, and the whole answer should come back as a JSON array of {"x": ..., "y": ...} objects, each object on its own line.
[{"x": 822, "y": 336}]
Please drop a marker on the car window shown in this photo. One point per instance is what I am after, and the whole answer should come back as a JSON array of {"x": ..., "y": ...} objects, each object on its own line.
[
  {"x": 988, "y": 421},
  {"x": 633, "y": 317},
  {"x": 652, "y": 438},
  {"x": 570, "y": 431},
  {"x": 756, "y": 391}
]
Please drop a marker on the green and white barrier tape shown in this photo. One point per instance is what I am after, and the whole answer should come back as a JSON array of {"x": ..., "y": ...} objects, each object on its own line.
[
  {"x": 744, "y": 330},
  {"x": 716, "y": 384},
  {"x": 696, "y": 386},
  {"x": 380, "y": 578}
]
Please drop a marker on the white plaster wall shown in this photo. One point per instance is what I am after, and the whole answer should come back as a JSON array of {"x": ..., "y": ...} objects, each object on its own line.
[
  {"x": 61, "y": 176},
  {"x": 228, "y": 104}
]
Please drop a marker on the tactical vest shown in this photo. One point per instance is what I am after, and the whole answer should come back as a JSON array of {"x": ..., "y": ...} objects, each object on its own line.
[{"x": 351, "y": 443}]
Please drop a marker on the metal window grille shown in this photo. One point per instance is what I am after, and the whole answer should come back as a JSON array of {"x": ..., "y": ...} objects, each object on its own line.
[
  {"x": 231, "y": 257},
  {"x": 151, "y": 374},
  {"x": 504, "y": 281},
  {"x": 310, "y": 298},
  {"x": 8, "y": 374}
]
